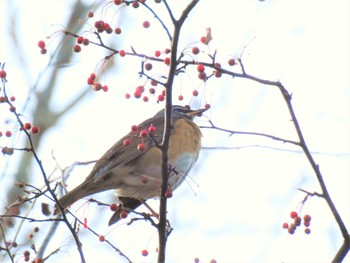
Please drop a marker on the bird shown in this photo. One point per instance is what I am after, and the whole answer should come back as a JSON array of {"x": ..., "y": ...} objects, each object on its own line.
[{"x": 132, "y": 166}]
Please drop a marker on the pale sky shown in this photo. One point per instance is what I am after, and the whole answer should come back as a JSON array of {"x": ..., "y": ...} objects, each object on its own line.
[{"x": 233, "y": 206}]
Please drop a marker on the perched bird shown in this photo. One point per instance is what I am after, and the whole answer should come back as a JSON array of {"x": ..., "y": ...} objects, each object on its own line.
[{"x": 132, "y": 166}]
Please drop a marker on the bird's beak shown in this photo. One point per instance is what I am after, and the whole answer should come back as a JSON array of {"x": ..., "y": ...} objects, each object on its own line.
[{"x": 195, "y": 113}]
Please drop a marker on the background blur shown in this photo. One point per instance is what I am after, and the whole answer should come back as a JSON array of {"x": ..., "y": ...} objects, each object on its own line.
[{"x": 233, "y": 205}]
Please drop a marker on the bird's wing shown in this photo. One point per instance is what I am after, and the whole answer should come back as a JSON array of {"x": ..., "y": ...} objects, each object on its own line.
[{"x": 119, "y": 154}]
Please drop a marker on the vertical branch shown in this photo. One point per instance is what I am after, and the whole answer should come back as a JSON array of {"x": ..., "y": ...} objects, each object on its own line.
[
  {"x": 162, "y": 226},
  {"x": 344, "y": 249}
]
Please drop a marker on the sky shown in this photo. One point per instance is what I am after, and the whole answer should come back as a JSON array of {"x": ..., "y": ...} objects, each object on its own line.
[{"x": 233, "y": 205}]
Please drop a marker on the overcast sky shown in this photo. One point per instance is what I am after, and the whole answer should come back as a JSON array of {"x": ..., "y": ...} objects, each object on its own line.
[{"x": 233, "y": 206}]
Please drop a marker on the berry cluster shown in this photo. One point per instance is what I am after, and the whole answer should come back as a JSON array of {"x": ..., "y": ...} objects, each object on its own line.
[
  {"x": 42, "y": 46},
  {"x": 142, "y": 134},
  {"x": 96, "y": 86},
  {"x": 9, "y": 101},
  {"x": 80, "y": 41},
  {"x": 297, "y": 220},
  {"x": 114, "y": 208}
]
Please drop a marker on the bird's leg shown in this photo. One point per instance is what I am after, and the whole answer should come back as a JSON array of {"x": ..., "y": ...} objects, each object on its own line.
[
  {"x": 153, "y": 213},
  {"x": 156, "y": 215}
]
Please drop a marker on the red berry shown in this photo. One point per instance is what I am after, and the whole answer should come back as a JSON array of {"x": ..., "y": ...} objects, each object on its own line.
[
  {"x": 285, "y": 225},
  {"x": 105, "y": 88},
  {"x": 207, "y": 106},
  {"x": 167, "y": 51},
  {"x": 12, "y": 108},
  {"x": 154, "y": 83},
  {"x": 101, "y": 238},
  {"x": 180, "y": 97},
  {"x": 43, "y": 51},
  {"x": 26, "y": 253},
  {"x": 134, "y": 128},
  {"x": 12, "y": 98},
  {"x": 8, "y": 133},
  {"x": 151, "y": 128},
  {"x": 195, "y": 50},
  {"x": 145, "y": 99},
  {"x": 96, "y": 86},
  {"x": 127, "y": 96},
  {"x": 118, "y": 2},
  {"x": 160, "y": 97},
  {"x": 135, "y": 4},
  {"x": 41, "y": 44},
  {"x": 148, "y": 66},
  {"x": 122, "y": 53},
  {"x": 113, "y": 207},
  {"x": 195, "y": 93},
  {"x": 99, "y": 24},
  {"x": 307, "y": 231},
  {"x": 144, "y": 252},
  {"x": 27, "y": 126},
  {"x": 90, "y": 81},
  {"x": 143, "y": 133},
  {"x": 293, "y": 214},
  {"x": 204, "y": 40},
  {"x": 123, "y": 214},
  {"x": 91, "y": 14},
  {"x": 217, "y": 74},
  {"x": 140, "y": 89},
  {"x": 231, "y": 62},
  {"x": 157, "y": 53},
  {"x": 118, "y": 30},
  {"x": 152, "y": 90},
  {"x": 93, "y": 76},
  {"x": 164, "y": 92},
  {"x": 137, "y": 94},
  {"x": 202, "y": 75},
  {"x": 35, "y": 129},
  {"x": 307, "y": 223},
  {"x": 86, "y": 41},
  {"x": 169, "y": 194},
  {"x": 141, "y": 147},
  {"x": 307, "y": 218},
  {"x": 167, "y": 61},
  {"x": 106, "y": 26},
  {"x": 76, "y": 48},
  {"x": 80, "y": 39},
  {"x": 297, "y": 221},
  {"x": 291, "y": 231},
  {"x": 3, "y": 74},
  {"x": 200, "y": 68},
  {"x": 39, "y": 260},
  {"x": 146, "y": 24},
  {"x": 30, "y": 236},
  {"x": 126, "y": 142}
]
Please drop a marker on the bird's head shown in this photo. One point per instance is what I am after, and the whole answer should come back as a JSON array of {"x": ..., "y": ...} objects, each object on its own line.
[{"x": 182, "y": 112}]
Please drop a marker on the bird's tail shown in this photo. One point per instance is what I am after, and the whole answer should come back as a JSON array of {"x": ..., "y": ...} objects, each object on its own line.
[{"x": 71, "y": 197}]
